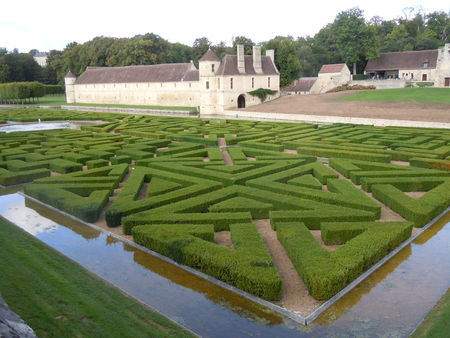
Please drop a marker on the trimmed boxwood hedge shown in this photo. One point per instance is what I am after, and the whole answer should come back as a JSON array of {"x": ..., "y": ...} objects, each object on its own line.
[
  {"x": 248, "y": 267},
  {"x": 325, "y": 273}
]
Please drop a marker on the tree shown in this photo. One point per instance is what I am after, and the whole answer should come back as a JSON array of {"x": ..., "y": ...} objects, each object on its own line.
[
  {"x": 439, "y": 24},
  {"x": 355, "y": 39},
  {"x": 286, "y": 58},
  {"x": 242, "y": 40},
  {"x": 200, "y": 47}
]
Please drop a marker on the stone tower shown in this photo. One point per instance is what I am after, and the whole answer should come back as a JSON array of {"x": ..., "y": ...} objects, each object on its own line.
[
  {"x": 209, "y": 84},
  {"x": 443, "y": 67},
  {"x": 69, "y": 81}
]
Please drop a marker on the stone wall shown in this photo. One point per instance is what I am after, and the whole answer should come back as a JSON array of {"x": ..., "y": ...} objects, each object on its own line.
[
  {"x": 443, "y": 66},
  {"x": 161, "y": 94},
  {"x": 381, "y": 84}
]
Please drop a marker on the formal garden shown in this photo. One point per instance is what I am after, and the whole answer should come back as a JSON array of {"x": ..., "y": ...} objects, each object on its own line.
[{"x": 339, "y": 197}]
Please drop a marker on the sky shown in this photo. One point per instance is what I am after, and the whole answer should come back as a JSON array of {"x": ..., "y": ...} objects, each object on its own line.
[{"x": 52, "y": 24}]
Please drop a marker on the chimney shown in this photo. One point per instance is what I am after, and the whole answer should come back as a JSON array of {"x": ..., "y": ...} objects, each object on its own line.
[
  {"x": 271, "y": 53},
  {"x": 257, "y": 59},
  {"x": 240, "y": 58}
]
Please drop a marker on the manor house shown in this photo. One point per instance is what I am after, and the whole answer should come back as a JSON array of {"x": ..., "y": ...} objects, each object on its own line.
[
  {"x": 217, "y": 85},
  {"x": 420, "y": 66}
]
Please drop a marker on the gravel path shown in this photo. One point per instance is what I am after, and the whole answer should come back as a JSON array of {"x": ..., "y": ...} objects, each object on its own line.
[{"x": 325, "y": 104}]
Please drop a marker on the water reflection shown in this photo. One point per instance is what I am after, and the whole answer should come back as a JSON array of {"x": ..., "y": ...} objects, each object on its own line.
[{"x": 15, "y": 126}]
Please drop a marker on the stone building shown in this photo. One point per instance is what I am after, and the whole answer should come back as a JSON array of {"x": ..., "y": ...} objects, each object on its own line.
[
  {"x": 417, "y": 66},
  {"x": 329, "y": 77},
  {"x": 217, "y": 85}
]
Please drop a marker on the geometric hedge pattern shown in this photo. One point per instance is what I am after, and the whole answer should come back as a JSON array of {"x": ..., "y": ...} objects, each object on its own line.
[{"x": 164, "y": 181}]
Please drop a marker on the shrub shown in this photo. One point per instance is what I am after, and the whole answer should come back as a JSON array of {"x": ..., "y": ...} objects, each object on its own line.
[
  {"x": 248, "y": 267},
  {"x": 262, "y": 93}
]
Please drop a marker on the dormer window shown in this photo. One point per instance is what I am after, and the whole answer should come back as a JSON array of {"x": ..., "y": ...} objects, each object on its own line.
[{"x": 426, "y": 64}]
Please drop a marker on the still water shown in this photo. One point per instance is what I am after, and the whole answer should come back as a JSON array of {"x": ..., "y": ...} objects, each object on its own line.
[
  {"x": 391, "y": 302},
  {"x": 16, "y": 126}
]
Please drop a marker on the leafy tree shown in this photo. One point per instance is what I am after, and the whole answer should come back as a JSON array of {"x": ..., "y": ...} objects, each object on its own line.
[
  {"x": 286, "y": 58},
  {"x": 242, "y": 40},
  {"x": 355, "y": 39},
  {"x": 200, "y": 47}
]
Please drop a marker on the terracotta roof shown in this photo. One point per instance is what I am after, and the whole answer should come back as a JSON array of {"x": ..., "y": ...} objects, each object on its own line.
[
  {"x": 303, "y": 84},
  {"x": 403, "y": 60},
  {"x": 209, "y": 56},
  {"x": 228, "y": 66},
  {"x": 69, "y": 74},
  {"x": 333, "y": 68},
  {"x": 171, "y": 72}
]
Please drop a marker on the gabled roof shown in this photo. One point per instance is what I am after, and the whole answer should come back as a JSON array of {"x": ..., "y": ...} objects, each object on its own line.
[
  {"x": 332, "y": 68},
  {"x": 69, "y": 74},
  {"x": 170, "y": 72},
  {"x": 302, "y": 84},
  {"x": 403, "y": 60},
  {"x": 228, "y": 66},
  {"x": 209, "y": 56}
]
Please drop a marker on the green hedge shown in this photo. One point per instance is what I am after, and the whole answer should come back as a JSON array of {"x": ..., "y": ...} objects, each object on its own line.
[
  {"x": 11, "y": 178},
  {"x": 20, "y": 92},
  {"x": 84, "y": 201},
  {"x": 248, "y": 267},
  {"x": 326, "y": 273},
  {"x": 64, "y": 166},
  {"x": 419, "y": 211},
  {"x": 334, "y": 233}
]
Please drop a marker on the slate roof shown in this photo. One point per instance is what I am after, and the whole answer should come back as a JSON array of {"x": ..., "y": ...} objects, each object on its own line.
[
  {"x": 303, "y": 84},
  {"x": 228, "y": 66},
  {"x": 170, "y": 72},
  {"x": 403, "y": 60},
  {"x": 332, "y": 68},
  {"x": 209, "y": 56}
]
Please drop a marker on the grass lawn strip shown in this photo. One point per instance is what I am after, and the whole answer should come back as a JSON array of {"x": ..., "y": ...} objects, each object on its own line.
[
  {"x": 437, "y": 322},
  {"x": 430, "y": 95},
  {"x": 59, "y": 298}
]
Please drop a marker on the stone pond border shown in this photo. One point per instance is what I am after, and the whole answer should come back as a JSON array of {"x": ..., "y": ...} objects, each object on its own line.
[
  {"x": 235, "y": 114},
  {"x": 291, "y": 315}
]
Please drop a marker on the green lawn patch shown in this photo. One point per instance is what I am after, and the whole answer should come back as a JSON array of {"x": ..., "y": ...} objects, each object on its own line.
[
  {"x": 431, "y": 95},
  {"x": 437, "y": 322},
  {"x": 59, "y": 298}
]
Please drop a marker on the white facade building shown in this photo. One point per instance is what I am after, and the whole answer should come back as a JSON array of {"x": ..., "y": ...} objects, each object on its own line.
[{"x": 217, "y": 85}]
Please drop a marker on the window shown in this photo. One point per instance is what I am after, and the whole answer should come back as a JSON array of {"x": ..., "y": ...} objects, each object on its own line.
[
  {"x": 212, "y": 68},
  {"x": 231, "y": 83},
  {"x": 424, "y": 77},
  {"x": 207, "y": 84},
  {"x": 268, "y": 82},
  {"x": 425, "y": 64},
  {"x": 189, "y": 85},
  {"x": 253, "y": 82}
]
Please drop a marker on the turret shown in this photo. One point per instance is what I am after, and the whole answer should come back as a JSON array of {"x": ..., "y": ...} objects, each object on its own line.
[
  {"x": 69, "y": 81},
  {"x": 208, "y": 65}
]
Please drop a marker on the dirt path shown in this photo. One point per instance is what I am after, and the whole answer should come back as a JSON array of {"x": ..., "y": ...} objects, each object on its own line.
[
  {"x": 225, "y": 155},
  {"x": 325, "y": 104},
  {"x": 295, "y": 295},
  {"x": 223, "y": 238}
]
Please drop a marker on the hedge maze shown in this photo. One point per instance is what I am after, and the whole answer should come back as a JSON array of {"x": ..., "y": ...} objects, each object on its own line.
[{"x": 174, "y": 183}]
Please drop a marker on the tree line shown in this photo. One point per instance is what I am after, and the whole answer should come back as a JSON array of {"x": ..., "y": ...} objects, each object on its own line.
[{"x": 350, "y": 39}]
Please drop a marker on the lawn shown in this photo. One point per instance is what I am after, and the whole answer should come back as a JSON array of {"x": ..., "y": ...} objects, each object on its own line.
[
  {"x": 437, "y": 323},
  {"x": 60, "y": 100},
  {"x": 431, "y": 95},
  {"x": 59, "y": 298}
]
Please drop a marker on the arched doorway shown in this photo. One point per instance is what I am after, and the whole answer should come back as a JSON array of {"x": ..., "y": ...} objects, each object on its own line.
[{"x": 241, "y": 101}]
